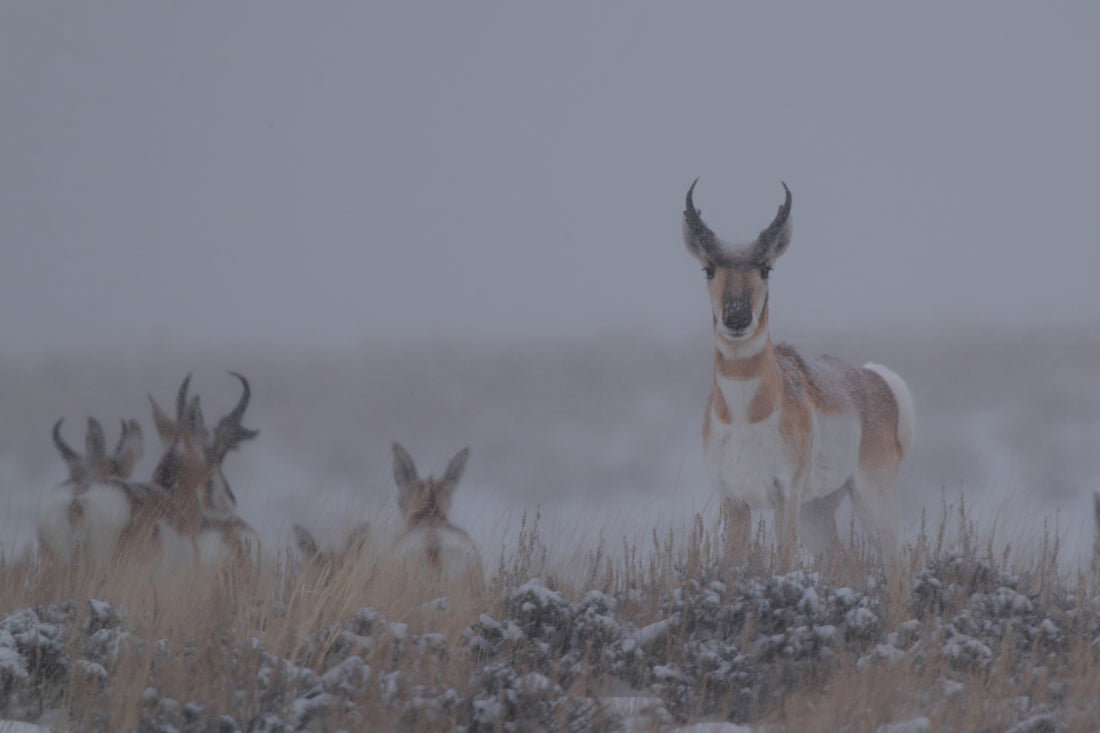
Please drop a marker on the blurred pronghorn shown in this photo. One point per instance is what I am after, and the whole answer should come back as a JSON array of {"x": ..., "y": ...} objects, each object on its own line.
[
  {"x": 431, "y": 543},
  {"x": 184, "y": 519},
  {"x": 201, "y": 527},
  {"x": 787, "y": 433},
  {"x": 84, "y": 517},
  {"x": 320, "y": 566}
]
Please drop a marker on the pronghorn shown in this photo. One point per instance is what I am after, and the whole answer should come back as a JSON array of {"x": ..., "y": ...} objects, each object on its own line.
[
  {"x": 321, "y": 566},
  {"x": 201, "y": 526},
  {"x": 431, "y": 543},
  {"x": 787, "y": 433},
  {"x": 84, "y": 517}
]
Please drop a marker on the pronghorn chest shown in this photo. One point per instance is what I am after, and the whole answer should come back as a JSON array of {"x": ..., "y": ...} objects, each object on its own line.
[
  {"x": 747, "y": 460},
  {"x": 744, "y": 459}
]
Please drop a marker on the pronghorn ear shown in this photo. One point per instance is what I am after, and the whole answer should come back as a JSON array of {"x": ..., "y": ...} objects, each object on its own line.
[
  {"x": 194, "y": 424},
  {"x": 166, "y": 427},
  {"x": 305, "y": 542},
  {"x": 404, "y": 470},
  {"x": 774, "y": 240},
  {"x": 449, "y": 480},
  {"x": 131, "y": 446},
  {"x": 95, "y": 442}
]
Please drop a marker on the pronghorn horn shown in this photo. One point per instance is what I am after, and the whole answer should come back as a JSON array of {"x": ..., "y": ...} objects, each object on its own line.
[
  {"x": 701, "y": 241},
  {"x": 229, "y": 433},
  {"x": 246, "y": 394},
  {"x": 181, "y": 398},
  {"x": 121, "y": 438},
  {"x": 774, "y": 240},
  {"x": 67, "y": 454},
  {"x": 95, "y": 441}
]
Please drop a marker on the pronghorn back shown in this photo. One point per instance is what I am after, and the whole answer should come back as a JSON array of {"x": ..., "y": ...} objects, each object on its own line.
[
  {"x": 431, "y": 546},
  {"x": 788, "y": 433}
]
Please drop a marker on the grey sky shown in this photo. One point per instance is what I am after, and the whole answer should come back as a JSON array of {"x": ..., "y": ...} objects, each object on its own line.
[{"x": 324, "y": 174}]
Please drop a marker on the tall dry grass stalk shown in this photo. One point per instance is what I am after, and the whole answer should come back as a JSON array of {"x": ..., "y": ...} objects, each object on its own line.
[{"x": 216, "y": 626}]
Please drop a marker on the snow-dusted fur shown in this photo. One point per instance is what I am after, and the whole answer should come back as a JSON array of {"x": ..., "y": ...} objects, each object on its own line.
[
  {"x": 785, "y": 432},
  {"x": 83, "y": 518},
  {"x": 906, "y": 414},
  {"x": 431, "y": 547},
  {"x": 199, "y": 528}
]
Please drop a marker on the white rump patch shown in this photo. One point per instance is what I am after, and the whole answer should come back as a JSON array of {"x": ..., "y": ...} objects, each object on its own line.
[{"x": 906, "y": 413}]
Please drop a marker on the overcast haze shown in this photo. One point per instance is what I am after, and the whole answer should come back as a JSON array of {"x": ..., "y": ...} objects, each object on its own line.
[
  {"x": 310, "y": 193},
  {"x": 325, "y": 174}
]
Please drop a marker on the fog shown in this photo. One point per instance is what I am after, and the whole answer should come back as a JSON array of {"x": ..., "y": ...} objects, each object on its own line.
[{"x": 460, "y": 224}]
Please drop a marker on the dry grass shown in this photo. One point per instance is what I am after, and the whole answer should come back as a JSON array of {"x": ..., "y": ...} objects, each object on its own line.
[{"x": 220, "y": 629}]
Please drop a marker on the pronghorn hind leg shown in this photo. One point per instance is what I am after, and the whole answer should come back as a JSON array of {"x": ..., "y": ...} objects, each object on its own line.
[
  {"x": 817, "y": 521},
  {"x": 875, "y": 502},
  {"x": 736, "y": 527}
]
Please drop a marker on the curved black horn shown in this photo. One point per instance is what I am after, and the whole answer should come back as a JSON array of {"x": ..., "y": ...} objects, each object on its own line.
[
  {"x": 767, "y": 239},
  {"x": 67, "y": 454},
  {"x": 229, "y": 433},
  {"x": 699, "y": 237},
  {"x": 181, "y": 398},
  {"x": 238, "y": 412}
]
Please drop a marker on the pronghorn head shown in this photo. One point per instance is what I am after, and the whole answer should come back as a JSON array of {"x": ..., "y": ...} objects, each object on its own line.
[
  {"x": 325, "y": 564},
  {"x": 193, "y": 454},
  {"x": 737, "y": 277},
  {"x": 96, "y": 464},
  {"x": 425, "y": 501}
]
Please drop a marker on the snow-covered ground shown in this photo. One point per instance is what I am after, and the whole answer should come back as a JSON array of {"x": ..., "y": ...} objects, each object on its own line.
[{"x": 600, "y": 435}]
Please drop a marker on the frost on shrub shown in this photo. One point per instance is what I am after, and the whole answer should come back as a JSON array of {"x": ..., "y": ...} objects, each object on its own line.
[
  {"x": 737, "y": 647},
  {"x": 33, "y": 659}
]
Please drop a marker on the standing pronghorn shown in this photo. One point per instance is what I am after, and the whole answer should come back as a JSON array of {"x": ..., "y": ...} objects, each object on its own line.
[
  {"x": 201, "y": 527},
  {"x": 83, "y": 518},
  {"x": 783, "y": 432},
  {"x": 430, "y": 542},
  {"x": 184, "y": 519}
]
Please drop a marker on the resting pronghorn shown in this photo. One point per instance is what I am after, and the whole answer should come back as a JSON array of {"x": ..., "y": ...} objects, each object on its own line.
[
  {"x": 201, "y": 527},
  {"x": 430, "y": 542},
  {"x": 80, "y": 518},
  {"x": 783, "y": 432},
  {"x": 320, "y": 566}
]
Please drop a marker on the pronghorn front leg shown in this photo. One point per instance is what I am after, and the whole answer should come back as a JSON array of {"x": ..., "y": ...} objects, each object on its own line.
[
  {"x": 736, "y": 526},
  {"x": 786, "y": 505}
]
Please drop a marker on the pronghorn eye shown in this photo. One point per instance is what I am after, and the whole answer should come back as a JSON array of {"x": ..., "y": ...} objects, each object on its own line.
[
  {"x": 709, "y": 270},
  {"x": 765, "y": 271}
]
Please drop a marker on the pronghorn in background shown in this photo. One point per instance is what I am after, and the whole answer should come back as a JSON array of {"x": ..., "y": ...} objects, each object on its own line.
[
  {"x": 202, "y": 527},
  {"x": 430, "y": 542},
  {"x": 83, "y": 518},
  {"x": 787, "y": 433},
  {"x": 320, "y": 566}
]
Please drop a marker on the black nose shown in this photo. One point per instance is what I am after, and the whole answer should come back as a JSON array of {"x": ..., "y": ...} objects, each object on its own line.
[{"x": 737, "y": 314}]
